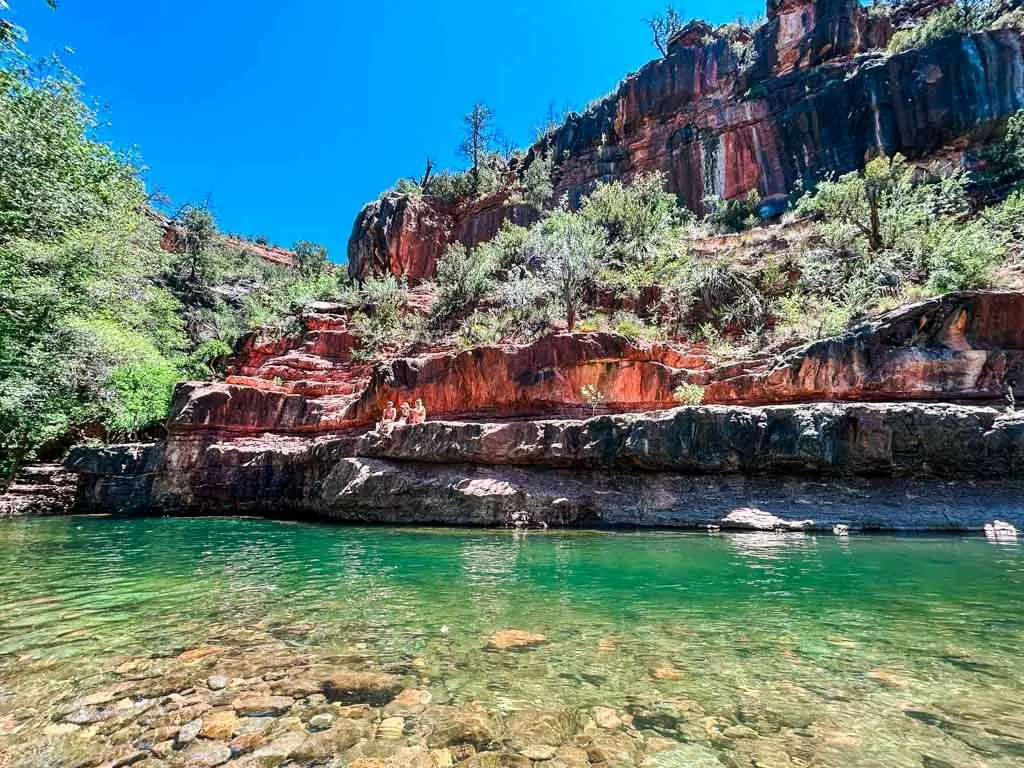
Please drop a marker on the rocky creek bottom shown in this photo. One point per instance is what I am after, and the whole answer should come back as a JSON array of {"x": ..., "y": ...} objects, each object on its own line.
[{"x": 241, "y": 642}]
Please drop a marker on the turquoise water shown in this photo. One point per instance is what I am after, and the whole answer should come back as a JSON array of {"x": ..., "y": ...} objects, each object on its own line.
[{"x": 765, "y": 649}]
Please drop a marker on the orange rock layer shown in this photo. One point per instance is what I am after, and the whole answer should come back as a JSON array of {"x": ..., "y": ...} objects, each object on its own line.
[{"x": 959, "y": 347}]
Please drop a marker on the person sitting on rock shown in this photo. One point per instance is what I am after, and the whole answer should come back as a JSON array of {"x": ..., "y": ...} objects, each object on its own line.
[
  {"x": 390, "y": 415},
  {"x": 404, "y": 414},
  {"x": 419, "y": 412}
]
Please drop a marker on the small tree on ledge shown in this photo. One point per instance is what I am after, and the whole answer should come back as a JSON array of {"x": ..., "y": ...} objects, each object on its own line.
[{"x": 593, "y": 397}]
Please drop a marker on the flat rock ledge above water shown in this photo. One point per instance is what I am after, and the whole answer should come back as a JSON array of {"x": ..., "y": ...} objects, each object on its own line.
[{"x": 881, "y": 466}]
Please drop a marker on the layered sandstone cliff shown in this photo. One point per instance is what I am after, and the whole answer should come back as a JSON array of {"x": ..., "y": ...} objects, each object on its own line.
[
  {"x": 290, "y": 431},
  {"x": 811, "y": 93},
  {"x": 961, "y": 346},
  {"x": 880, "y": 466}
]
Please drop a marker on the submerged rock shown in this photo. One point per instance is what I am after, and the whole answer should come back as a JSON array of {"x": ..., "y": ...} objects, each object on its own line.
[
  {"x": 262, "y": 706},
  {"x": 508, "y": 639},
  {"x": 361, "y": 687}
]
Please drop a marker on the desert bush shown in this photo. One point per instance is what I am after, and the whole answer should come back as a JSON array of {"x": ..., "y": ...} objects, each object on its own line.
[
  {"x": 463, "y": 278},
  {"x": 637, "y": 218},
  {"x": 629, "y": 324},
  {"x": 732, "y": 215},
  {"x": 688, "y": 394},
  {"x": 538, "y": 188},
  {"x": 942, "y": 23}
]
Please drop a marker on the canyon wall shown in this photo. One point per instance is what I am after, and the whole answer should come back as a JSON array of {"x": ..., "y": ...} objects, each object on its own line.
[
  {"x": 962, "y": 346},
  {"x": 291, "y": 430},
  {"x": 812, "y": 92}
]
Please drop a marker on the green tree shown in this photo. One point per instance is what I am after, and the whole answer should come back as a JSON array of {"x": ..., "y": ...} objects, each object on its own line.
[
  {"x": 876, "y": 203},
  {"x": 142, "y": 391},
  {"x": 538, "y": 187},
  {"x": 197, "y": 234},
  {"x": 480, "y": 137},
  {"x": 568, "y": 247},
  {"x": 54, "y": 177},
  {"x": 311, "y": 258},
  {"x": 10, "y": 33}
]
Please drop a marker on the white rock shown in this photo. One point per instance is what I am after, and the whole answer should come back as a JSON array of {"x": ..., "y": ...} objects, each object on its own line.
[
  {"x": 752, "y": 519},
  {"x": 998, "y": 529}
]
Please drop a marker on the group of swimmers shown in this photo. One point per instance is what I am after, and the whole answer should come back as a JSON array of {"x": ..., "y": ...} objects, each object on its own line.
[{"x": 406, "y": 414}]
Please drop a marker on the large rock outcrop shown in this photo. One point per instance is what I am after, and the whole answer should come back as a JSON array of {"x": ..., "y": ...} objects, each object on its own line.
[
  {"x": 405, "y": 235},
  {"x": 961, "y": 346},
  {"x": 812, "y": 92},
  {"x": 890, "y": 466},
  {"x": 289, "y": 431}
]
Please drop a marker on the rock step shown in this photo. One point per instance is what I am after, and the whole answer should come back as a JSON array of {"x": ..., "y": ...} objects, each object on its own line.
[
  {"x": 307, "y": 387},
  {"x": 39, "y": 489}
]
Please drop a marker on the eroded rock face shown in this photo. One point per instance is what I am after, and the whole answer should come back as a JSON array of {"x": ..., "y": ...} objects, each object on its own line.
[
  {"x": 964, "y": 346},
  {"x": 961, "y": 346},
  {"x": 818, "y": 95},
  {"x": 869, "y": 465},
  {"x": 289, "y": 445},
  {"x": 405, "y": 235}
]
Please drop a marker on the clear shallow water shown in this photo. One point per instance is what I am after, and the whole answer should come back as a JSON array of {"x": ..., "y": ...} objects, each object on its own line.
[{"x": 764, "y": 649}]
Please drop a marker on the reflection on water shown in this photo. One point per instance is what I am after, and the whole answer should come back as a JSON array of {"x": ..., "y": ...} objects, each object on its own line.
[{"x": 757, "y": 649}]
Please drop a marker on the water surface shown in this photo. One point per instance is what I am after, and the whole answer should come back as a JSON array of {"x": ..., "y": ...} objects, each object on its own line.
[{"x": 763, "y": 649}]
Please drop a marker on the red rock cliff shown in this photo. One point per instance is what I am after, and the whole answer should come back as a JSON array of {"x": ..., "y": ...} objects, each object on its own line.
[
  {"x": 812, "y": 92},
  {"x": 964, "y": 346}
]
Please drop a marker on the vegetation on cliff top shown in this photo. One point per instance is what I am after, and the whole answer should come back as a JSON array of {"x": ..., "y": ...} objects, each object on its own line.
[{"x": 97, "y": 322}]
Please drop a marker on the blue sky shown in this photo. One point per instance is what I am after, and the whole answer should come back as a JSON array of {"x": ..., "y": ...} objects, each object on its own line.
[{"x": 290, "y": 115}]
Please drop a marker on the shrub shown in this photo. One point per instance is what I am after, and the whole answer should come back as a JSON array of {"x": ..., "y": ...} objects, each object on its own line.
[
  {"x": 688, "y": 394},
  {"x": 506, "y": 250},
  {"x": 449, "y": 186},
  {"x": 538, "y": 189},
  {"x": 142, "y": 395},
  {"x": 962, "y": 256},
  {"x": 592, "y": 396},
  {"x": 310, "y": 258},
  {"x": 733, "y": 215},
  {"x": 1006, "y": 156},
  {"x": 406, "y": 186},
  {"x": 628, "y": 324},
  {"x": 637, "y": 218},
  {"x": 939, "y": 24},
  {"x": 463, "y": 277}
]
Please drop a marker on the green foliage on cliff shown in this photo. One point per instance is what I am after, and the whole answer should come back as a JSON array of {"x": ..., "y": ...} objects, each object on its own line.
[
  {"x": 97, "y": 323},
  {"x": 962, "y": 16},
  {"x": 629, "y": 260},
  {"x": 943, "y": 23}
]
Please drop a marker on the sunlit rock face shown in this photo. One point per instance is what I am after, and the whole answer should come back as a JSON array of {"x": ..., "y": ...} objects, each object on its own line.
[
  {"x": 889, "y": 466},
  {"x": 404, "y": 235},
  {"x": 811, "y": 93},
  {"x": 962, "y": 346},
  {"x": 292, "y": 428}
]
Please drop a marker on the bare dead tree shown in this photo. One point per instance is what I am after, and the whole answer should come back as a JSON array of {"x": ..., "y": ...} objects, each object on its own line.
[
  {"x": 663, "y": 27},
  {"x": 426, "y": 173}
]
